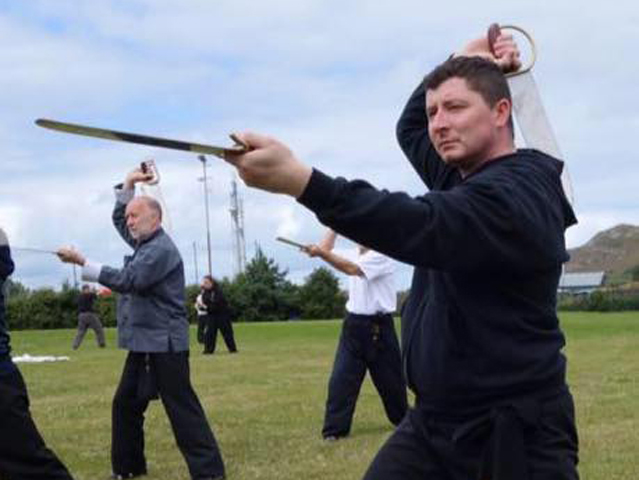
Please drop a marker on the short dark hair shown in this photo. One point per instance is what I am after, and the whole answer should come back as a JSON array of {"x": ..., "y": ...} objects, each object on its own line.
[{"x": 482, "y": 76}]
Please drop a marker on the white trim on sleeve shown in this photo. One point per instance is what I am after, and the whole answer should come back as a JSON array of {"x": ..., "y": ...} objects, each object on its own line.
[{"x": 91, "y": 271}]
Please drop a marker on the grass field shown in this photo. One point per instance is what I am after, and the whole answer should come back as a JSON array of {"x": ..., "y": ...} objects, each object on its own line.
[{"x": 266, "y": 403}]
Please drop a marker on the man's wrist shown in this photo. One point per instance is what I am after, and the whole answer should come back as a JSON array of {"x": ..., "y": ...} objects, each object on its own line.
[{"x": 301, "y": 177}]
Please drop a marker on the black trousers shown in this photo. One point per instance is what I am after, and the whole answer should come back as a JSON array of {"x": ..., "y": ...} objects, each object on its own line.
[
  {"x": 23, "y": 453},
  {"x": 169, "y": 374},
  {"x": 223, "y": 324},
  {"x": 367, "y": 342},
  {"x": 201, "y": 327},
  {"x": 428, "y": 447}
]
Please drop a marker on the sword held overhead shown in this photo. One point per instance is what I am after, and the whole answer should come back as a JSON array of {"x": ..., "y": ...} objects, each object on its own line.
[{"x": 529, "y": 109}]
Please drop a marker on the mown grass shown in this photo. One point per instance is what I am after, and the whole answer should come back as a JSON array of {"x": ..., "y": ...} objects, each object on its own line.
[{"x": 266, "y": 403}]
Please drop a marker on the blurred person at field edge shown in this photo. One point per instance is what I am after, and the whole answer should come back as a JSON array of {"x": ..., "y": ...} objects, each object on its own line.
[{"x": 23, "y": 453}]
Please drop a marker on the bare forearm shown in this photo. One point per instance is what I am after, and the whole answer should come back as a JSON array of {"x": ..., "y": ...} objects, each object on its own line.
[
  {"x": 328, "y": 242},
  {"x": 340, "y": 263}
]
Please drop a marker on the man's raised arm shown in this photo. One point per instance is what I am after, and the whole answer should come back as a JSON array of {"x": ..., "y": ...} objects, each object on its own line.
[{"x": 124, "y": 193}]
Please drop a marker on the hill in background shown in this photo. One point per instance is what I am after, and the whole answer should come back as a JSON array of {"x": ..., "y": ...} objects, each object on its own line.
[{"x": 614, "y": 251}]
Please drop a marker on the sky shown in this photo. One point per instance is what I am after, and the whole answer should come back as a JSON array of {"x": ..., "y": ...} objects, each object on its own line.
[{"x": 329, "y": 78}]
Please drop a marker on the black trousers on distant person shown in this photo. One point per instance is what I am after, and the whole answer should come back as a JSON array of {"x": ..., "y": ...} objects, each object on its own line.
[
  {"x": 23, "y": 453},
  {"x": 88, "y": 320},
  {"x": 167, "y": 374},
  {"x": 221, "y": 322},
  {"x": 532, "y": 439},
  {"x": 367, "y": 342},
  {"x": 201, "y": 327}
]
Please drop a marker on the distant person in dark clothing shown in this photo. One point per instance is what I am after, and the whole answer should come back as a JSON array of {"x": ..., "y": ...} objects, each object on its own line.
[
  {"x": 482, "y": 344},
  {"x": 87, "y": 318},
  {"x": 23, "y": 453},
  {"x": 217, "y": 317}
]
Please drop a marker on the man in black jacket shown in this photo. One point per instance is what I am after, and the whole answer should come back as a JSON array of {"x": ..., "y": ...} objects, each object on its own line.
[
  {"x": 23, "y": 453},
  {"x": 481, "y": 338}
]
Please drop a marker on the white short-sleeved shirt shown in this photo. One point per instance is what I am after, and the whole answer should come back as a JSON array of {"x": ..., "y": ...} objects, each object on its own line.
[{"x": 375, "y": 291}]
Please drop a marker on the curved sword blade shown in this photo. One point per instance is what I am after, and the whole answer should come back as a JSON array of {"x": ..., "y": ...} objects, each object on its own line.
[{"x": 108, "y": 134}]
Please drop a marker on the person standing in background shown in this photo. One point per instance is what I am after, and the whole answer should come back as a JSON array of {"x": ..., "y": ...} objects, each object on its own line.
[
  {"x": 368, "y": 341},
  {"x": 87, "y": 318},
  {"x": 218, "y": 316}
]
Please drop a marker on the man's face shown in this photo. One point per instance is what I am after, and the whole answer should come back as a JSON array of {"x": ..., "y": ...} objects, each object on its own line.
[
  {"x": 141, "y": 220},
  {"x": 207, "y": 284},
  {"x": 461, "y": 125}
]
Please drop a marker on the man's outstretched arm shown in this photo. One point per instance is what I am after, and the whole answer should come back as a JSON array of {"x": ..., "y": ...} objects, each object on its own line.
[{"x": 339, "y": 263}]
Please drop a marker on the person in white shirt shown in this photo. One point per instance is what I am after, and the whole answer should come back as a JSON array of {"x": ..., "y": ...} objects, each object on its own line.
[{"x": 368, "y": 341}]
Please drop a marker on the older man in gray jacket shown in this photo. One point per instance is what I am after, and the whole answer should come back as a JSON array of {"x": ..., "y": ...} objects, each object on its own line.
[{"x": 153, "y": 327}]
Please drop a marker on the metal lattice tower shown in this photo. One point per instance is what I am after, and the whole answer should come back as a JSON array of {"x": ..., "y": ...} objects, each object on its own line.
[{"x": 237, "y": 216}]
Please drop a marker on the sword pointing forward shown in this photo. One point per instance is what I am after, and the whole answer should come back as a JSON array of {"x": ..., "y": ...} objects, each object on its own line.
[
  {"x": 34, "y": 250},
  {"x": 141, "y": 139},
  {"x": 291, "y": 243},
  {"x": 529, "y": 109}
]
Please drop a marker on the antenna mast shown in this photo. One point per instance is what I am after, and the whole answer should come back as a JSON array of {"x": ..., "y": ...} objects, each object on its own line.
[{"x": 237, "y": 217}]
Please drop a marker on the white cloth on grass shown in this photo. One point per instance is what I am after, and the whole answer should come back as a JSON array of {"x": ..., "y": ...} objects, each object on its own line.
[{"x": 26, "y": 358}]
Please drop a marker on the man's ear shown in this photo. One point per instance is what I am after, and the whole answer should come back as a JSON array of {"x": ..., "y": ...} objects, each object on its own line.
[{"x": 502, "y": 111}]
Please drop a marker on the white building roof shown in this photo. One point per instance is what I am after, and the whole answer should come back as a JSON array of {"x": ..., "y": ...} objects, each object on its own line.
[{"x": 581, "y": 279}]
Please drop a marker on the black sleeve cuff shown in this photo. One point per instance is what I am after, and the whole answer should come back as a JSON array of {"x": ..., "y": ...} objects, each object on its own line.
[{"x": 318, "y": 193}]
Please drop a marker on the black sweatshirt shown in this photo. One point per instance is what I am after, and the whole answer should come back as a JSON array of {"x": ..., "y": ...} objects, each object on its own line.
[
  {"x": 215, "y": 301},
  {"x": 480, "y": 324}
]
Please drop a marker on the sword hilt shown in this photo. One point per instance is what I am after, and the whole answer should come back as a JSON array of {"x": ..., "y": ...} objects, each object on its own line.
[
  {"x": 149, "y": 166},
  {"x": 494, "y": 30}
]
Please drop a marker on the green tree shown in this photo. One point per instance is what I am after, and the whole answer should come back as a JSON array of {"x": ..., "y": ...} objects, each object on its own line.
[
  {"x": 43, "y": 308},
  {"x": 320, "y": 296},
  {"x": 262, "y": 292},
  {"x": 634, "y": 273},
  {"x": 14, "y": 289}
]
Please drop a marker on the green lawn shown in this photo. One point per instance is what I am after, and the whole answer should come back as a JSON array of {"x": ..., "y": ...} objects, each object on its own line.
[{"x": 266, "y": 403}]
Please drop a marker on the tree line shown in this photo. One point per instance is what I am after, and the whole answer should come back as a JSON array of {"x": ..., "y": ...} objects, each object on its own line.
[{"x": 261, "y": 294}]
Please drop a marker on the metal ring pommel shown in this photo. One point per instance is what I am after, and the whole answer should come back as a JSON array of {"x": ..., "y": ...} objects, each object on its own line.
[{"x": 493, "y": 32}]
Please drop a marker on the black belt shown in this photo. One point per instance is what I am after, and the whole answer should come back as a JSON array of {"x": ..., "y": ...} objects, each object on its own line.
[
  {"x": 374, "y": 317},
  {"x": 374, "y": 322}
]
